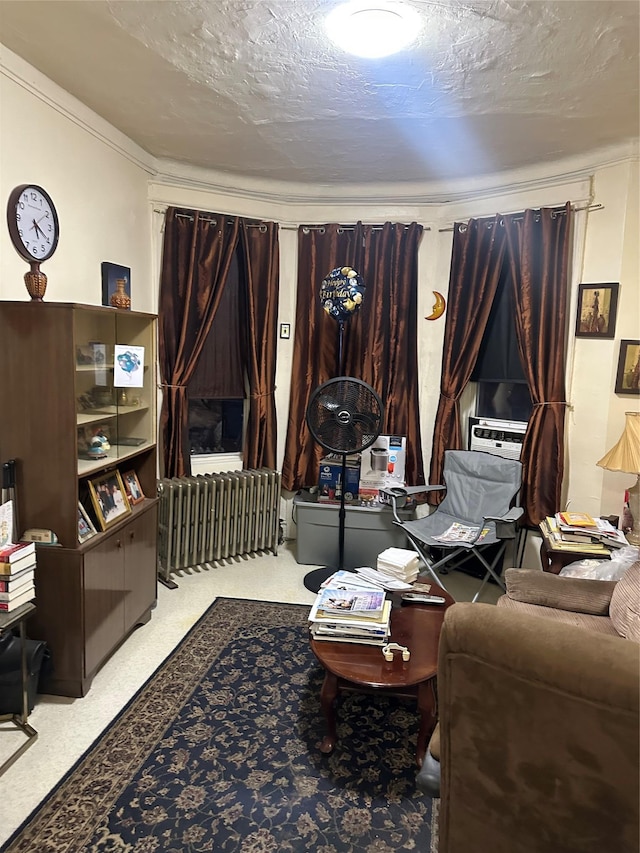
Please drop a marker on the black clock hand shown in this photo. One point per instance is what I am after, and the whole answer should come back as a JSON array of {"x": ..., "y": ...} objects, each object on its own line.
[{"x": 38, "y": 228}]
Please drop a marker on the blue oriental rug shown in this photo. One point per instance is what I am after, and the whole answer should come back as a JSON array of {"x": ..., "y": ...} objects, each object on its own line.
[{"x": 219, "y": 751}]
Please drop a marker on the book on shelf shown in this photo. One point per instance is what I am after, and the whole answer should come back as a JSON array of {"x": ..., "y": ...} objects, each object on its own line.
[
  {"x": 10, "y": 582},
  {"x": 362, "y": 602},
  {"x": 13, "y": 594},
  {"x": 16, "y": 551},
  {"x": 18, "y": 601}
]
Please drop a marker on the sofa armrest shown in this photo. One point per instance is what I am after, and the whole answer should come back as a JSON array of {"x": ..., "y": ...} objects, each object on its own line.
[
  {"x": 538, "y": 728},
  {"x": 580, "y": 595}
]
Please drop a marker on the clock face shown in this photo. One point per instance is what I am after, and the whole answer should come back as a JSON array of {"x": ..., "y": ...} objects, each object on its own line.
[{"x": 33, "y": 222}]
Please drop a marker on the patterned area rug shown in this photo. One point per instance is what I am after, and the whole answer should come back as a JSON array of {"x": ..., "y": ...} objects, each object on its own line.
[{"x": 219, "y": 752}]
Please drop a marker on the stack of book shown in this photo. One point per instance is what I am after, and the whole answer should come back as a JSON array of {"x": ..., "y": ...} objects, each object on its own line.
[
  {"x": 579, "y": 533},
  {"x": 17, "y": 575},
  {"x": 399, "y": 563},
  {"x": 580, "y": 527},
  {"x": 355, "y": 615}
]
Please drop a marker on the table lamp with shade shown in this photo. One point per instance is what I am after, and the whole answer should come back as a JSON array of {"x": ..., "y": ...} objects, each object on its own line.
[{"x": 625, "y": 456}]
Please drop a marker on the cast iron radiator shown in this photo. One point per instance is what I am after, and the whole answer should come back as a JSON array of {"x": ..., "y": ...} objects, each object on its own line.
[{"x": 214, "y": 517}]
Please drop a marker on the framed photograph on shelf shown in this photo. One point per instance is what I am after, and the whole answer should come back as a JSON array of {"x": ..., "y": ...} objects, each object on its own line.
[
  {"x": 86, "y": 527},
  {"x": 597, "y": 308},
  {"x": 116, "y": 285},
  {"x": 628, "y": 376},
  {"x": 109, "y": 498},
  {"x": 132, "y": 487}
]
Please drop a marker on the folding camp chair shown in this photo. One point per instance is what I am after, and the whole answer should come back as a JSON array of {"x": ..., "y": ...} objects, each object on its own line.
[{"x": 482, "y": 493}]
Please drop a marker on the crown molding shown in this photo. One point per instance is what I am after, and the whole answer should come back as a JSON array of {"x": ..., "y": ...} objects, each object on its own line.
[
  {"x": 59, "y": 100},
  {"x": 239, "y": 189}
]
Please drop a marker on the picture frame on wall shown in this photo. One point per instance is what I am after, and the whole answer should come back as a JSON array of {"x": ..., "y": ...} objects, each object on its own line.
[
  {"x": 109, "y": 498},
  {"x": 628, "y": 376},
  {"x": 597, "y": 310},
  {"x": 116, "y": 285},
  {"x": 86, "y": 527}
]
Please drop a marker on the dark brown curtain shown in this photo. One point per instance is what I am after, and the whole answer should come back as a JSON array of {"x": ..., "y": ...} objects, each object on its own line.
[
  {"x": 535, "y": 246},
  {"x": 199, "y": 251},
  {"x": 379, "y": 342},
  {"x": 538, "y": 254},
  {"x": 476, "y": 261},
  {"x": 261, "y": 254}
]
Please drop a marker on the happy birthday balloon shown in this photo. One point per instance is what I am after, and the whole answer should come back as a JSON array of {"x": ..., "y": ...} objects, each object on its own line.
[{"x": 342, "y": 292}]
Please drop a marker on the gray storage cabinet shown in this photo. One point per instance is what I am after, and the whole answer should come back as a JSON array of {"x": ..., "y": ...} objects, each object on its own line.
[{"x": 368, "y": 531}]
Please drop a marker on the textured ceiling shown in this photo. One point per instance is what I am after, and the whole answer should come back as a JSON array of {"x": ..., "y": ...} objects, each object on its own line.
[{"x": 253, "y": 88}]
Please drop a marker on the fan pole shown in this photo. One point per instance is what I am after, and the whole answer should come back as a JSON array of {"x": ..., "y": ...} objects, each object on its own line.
[
  {"x": 342, "y": 513},
  {"x": 340, "y": 337}
]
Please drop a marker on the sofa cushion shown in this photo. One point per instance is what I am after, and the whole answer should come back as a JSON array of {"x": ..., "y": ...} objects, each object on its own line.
[
  {"x": 582, "y": 595},
  {"x": 596, "y": 624},
  {"x": 624, "y": 610}
]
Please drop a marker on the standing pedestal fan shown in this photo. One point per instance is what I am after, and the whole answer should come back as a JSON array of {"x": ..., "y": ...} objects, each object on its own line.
[{"x": 344, "y": 416}]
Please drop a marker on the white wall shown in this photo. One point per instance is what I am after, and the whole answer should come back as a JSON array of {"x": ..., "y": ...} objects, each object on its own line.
[{"x": 110, "y": 196}]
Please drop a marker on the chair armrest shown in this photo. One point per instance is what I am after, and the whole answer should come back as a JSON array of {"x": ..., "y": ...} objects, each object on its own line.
[
  {"x": 398, "y": 496},
  {"x": 506, "y": 524},
  {"x": 579, "y": 595}
]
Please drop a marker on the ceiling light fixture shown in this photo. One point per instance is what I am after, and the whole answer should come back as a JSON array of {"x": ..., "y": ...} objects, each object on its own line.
[{"x": 373, "y": 29}]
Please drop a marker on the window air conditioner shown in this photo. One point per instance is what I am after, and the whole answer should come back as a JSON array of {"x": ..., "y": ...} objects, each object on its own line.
[{"x": 502, "y": 438}]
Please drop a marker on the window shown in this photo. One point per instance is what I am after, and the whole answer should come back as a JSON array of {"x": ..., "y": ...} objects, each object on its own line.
[
  {"x": 217, "y": 387},
  {"x": 215, "y": 426}
]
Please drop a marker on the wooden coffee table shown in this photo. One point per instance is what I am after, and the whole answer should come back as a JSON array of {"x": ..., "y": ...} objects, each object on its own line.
[{"x": 363, "y": 669}]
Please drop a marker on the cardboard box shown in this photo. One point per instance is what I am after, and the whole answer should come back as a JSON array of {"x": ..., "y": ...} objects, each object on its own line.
[
  {"x": 329, "y": 479},
  {"x": 382, "y": 466}
]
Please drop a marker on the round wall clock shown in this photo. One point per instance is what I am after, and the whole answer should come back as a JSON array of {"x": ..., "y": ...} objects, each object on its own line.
[{"x": 34, "y": 230}]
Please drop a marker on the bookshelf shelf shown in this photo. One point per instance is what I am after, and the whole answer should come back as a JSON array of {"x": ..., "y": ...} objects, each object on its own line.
[{"x": 60, "y": 410}]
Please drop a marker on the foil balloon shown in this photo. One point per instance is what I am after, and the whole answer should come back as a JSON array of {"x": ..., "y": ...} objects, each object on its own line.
[{"x": 341, "y": 293}]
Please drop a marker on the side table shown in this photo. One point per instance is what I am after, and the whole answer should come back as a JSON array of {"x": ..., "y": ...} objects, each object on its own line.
[
  {"x": 21, "y": 720},
  {"x": 554, "y": 557}
]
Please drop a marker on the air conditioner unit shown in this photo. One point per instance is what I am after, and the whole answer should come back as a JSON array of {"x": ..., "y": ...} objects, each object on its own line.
[{"x": 502, "y": 438}]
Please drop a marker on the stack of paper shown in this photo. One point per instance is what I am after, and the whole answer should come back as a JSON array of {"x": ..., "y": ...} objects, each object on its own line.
[
  {"x": 351, "y": 616},
  {"x": 399, "y": 563},
  {"x": 575, "y": 527}
]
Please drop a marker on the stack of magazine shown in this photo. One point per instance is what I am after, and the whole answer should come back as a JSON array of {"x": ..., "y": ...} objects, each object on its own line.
[
  {"x": 582, "y": 528},
  {"x": 355, "y": 615}
]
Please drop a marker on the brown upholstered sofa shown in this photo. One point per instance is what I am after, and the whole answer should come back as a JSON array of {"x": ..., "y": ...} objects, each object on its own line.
[{"x": 538, "y": 739}]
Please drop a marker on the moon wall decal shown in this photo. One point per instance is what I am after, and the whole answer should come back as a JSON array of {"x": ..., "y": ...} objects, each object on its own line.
[{"x": 438, "y": 306}]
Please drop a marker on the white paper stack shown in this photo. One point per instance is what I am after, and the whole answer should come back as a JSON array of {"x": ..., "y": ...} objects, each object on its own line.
[{"x": 399, "y": 563}]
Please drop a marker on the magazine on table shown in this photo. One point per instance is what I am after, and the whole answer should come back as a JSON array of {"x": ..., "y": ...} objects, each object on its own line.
[{"x": 358, "y": 601}]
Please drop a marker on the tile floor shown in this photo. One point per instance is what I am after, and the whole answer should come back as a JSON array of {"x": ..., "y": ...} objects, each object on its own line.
[{"x": 67, "y": 727}]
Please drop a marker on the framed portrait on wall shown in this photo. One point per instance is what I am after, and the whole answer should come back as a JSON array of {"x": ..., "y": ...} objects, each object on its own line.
[
  {"x": 628, "y": 376},
  {"x": 597, "y": 308}
]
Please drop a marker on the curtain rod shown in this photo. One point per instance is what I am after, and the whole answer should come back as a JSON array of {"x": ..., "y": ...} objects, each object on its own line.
[
  {"x": 519, "y": 217},
  {"x": 342, "y": 228},
  {"x": 213, "y": 221}
]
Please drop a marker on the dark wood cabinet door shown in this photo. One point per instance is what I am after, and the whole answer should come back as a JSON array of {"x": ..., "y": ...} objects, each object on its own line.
[
  {"x": 140, "y": 571},
  {"x": 103, "y": 599}
]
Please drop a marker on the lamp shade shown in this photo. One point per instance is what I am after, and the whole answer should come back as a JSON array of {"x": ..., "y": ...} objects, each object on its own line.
[{"x": 625, "y": 455}]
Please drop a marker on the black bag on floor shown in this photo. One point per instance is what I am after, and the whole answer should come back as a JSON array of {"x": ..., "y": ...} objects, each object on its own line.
[{"x": 38, "y": 659}]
